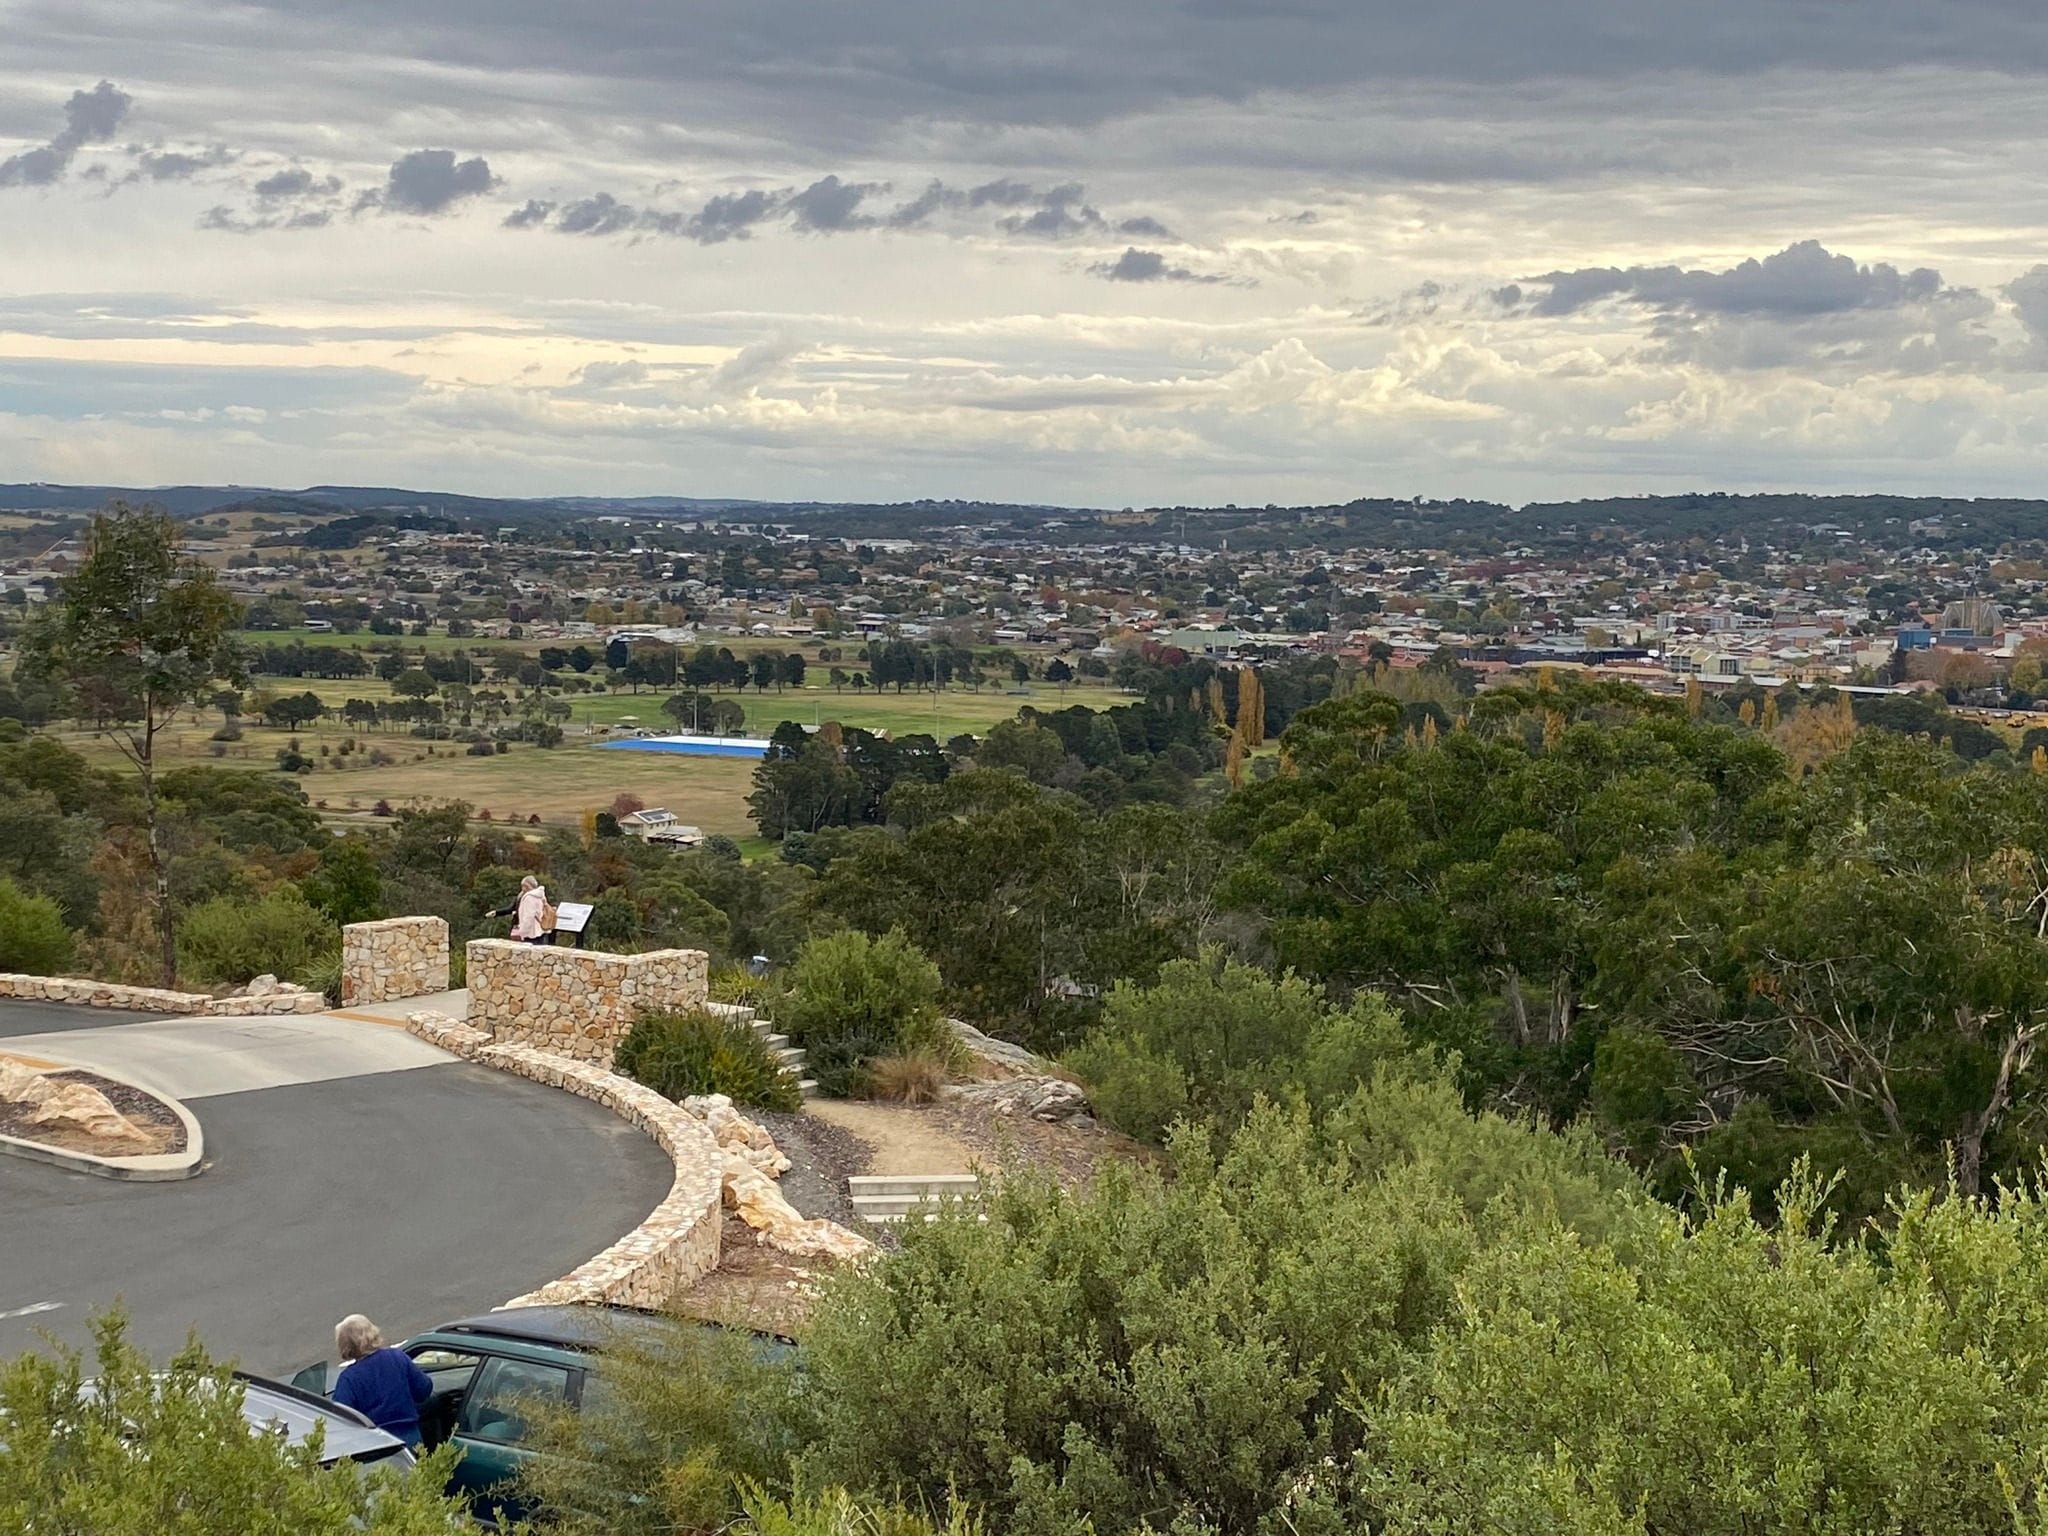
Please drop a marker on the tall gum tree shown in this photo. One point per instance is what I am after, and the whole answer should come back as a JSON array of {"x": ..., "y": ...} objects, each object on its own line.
[{"x": 139, "y": 633}]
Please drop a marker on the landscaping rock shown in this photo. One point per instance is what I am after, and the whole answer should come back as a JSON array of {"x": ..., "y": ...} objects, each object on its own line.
[
  {"x": 77, "y": 1105},
  {"x": 1000, "y": 1054},
  {"x": 1051, "y": 1099}
]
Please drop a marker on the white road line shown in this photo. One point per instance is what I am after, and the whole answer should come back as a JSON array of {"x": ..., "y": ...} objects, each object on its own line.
[{"x": 31, "y": 1311}]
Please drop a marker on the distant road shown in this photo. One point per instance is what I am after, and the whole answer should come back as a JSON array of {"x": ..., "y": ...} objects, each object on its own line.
[{"x": 414, "y": 1193}]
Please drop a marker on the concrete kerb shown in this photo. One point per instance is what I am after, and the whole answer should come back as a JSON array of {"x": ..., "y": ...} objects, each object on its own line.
[
  {"x": 678, "y": 1242},
  {"x": 148, "y": 1168}
]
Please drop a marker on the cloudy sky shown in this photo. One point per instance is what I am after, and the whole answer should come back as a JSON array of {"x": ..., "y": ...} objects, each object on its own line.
[{"x": 1088, "y": 251}]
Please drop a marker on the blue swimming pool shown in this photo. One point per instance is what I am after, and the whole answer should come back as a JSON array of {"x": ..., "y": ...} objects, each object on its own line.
[{"x": 694, "y": 746}]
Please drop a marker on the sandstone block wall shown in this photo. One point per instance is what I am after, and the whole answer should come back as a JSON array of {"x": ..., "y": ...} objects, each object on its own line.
[
  {"x": 87, "y": 993},
  {"x": 398, "y": 957},
  {"x": 573, "y": 1002}
]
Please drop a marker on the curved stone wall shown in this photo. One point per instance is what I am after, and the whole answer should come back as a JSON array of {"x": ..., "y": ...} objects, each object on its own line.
[{"x": 679, "y": 1240}]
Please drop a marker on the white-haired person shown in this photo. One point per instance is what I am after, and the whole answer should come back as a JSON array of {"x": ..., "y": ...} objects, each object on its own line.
[
  {"x": 379, "y": 1382},
  {"x": 532, "y": 917}
]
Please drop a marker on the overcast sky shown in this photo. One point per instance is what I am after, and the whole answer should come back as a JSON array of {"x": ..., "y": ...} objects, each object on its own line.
[{"x": 1084, "y": 251}]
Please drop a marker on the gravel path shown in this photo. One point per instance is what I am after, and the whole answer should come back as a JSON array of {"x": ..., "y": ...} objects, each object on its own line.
[{"x": 822, "y": 1158}]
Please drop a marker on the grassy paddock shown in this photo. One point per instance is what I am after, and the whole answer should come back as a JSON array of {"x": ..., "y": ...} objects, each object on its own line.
[{"x": 559, "y": 785}]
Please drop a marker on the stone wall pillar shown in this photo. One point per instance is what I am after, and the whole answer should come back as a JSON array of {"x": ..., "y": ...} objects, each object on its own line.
[
  {"x": 398, "y": 957},
  {"x": 576, "y": 1002}
]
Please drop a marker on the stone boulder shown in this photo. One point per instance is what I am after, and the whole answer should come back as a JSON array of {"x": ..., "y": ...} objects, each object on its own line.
[
  {"x": 736, "y": 1134},
  {"x": 78, "y": 1106},
  {"x": 1042, "y": 1097},
  {"x": 760, "y": 1204},
  {"x": 1010, "y": 1060},
  {"x": 751, "y": 1162}
]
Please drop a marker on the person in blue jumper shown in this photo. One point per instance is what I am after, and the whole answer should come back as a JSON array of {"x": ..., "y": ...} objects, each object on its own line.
[{"x": 377, "y": 1381}]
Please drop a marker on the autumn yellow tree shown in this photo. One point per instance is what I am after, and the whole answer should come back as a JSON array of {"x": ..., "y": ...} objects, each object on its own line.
[
  {"x": 1695, "y": 697},
  {"x": 1251, "y": 707},
  {"x": 1233, "y": 759},
  {"x": 1815, "y": 734},
  {"x": 1218, "y": 713}
]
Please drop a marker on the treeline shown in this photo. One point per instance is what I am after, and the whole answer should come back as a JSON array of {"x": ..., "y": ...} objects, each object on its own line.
[{"x": 1726, "y": 943}]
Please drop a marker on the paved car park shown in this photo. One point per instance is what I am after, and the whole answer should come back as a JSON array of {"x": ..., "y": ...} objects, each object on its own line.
[{"x": 352, "y": 1168}]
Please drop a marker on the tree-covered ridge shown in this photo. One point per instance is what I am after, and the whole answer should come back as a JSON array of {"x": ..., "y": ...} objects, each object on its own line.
[{"x": 1604, "y": 906}]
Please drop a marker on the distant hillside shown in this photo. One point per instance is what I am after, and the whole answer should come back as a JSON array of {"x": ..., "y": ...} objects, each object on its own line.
[{"x": 1813, "y": 525}]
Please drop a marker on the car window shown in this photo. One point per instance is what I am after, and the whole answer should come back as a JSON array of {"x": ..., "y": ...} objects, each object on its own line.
[
  {"x": 448, "y": 1369},
  {"x": 506, "y": 1396}
]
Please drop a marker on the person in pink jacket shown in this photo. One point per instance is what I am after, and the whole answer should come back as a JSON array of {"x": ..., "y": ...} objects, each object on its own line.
[{"x": 528, "y": 912}]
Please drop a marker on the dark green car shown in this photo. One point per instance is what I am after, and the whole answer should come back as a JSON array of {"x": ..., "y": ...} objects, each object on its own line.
[{"x": 489, "y": 1372}]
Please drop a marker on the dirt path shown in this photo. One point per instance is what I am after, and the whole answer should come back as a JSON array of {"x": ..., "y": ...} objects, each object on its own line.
[{"x": 905, "y": 1140}]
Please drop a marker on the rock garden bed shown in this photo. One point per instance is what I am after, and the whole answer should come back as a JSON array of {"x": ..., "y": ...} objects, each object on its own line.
[{"x": 159, "y": 1127}]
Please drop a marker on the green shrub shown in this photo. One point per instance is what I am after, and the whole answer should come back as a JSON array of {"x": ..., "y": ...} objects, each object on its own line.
[
  {"x": 1186, "y": 1344},
  {"x": 838, "y": 1513},
  {"x": 227, "y": 941},
  {"x": 164, "y": 1449},
  {"x": 1214, "y": 1035},
  {"x": 850, "y": 998},
  {"x": 689, "y": 1419},
  {"x": 323, "y": 975},
  {"x": 680, "y": 1054},
  {"x": 33, "y": 938}
]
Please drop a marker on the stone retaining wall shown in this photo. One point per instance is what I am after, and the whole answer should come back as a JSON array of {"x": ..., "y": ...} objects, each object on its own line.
[
  {"x": 678, "y": 1242},
  {"x": 574, "y": 1002},
  {"x": 87, "y": 993},
  {"x": 398, "y": 957}
]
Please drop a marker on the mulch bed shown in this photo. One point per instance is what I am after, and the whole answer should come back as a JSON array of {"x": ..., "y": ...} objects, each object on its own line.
[{"x": 145, "y": 1109}]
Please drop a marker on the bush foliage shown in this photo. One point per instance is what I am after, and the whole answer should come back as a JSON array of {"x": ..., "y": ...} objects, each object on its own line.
[
  {"x": 131, "y": 1449},
  {"x": 1214, "y": 1035},
  {"x": 33, "y": 938},
  {"x": 680, "y": 1054},
  {"x": 229, "y": 941},
  {"x": 1412, "y": 1319},
  {"x": 851, "y": 998}
]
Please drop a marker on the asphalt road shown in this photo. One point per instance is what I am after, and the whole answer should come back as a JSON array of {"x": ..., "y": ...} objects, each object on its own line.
[
  {"x": 414, "y": 1196},
  {"x": 20, "y": 1018}
]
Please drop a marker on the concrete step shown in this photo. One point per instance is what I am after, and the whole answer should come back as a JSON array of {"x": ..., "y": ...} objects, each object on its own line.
[
  {"x": 737, "y": 1013},
  {"x": 898, "y": 1218},
  {"x": 773, "y": 1042},
  {"x": 898, "y": 1207},
  {"x": 808, "y": 1087},
  {"x": 900, "y": 1197},
  {"x": 790, "y": 1057},
  {"x": 913, "y": 1184}
]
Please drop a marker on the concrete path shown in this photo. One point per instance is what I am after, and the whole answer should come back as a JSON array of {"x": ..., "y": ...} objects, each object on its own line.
[
  {"x": 454, "y": 1005},
  {"x": 201, "y": 1058}
]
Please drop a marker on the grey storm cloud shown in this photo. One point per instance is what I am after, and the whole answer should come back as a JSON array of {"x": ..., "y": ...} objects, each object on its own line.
[
  {"x": 90, "y": 117},
  {"x": 227, "y": 221},
  {"x": 730, "y": 215},
  {"x": 431, "y": 181},
  {"x": 531, "y": 215},
  {"x": 1803, "y": 279},
  {"x": 2028, "y": 295},
  {"x": 295, "y": 181},
  {"x": 1136, "y": 266},
  {"x": 829, "y": 205},
  {"x": 177, "y": 165},
  {"x": 1055, "y": 212}
]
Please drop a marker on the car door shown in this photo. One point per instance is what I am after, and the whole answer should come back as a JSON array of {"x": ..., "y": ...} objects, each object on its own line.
[
  {"x": 451, "y": 1372},
  {"x": 493, "y": 1431}
]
